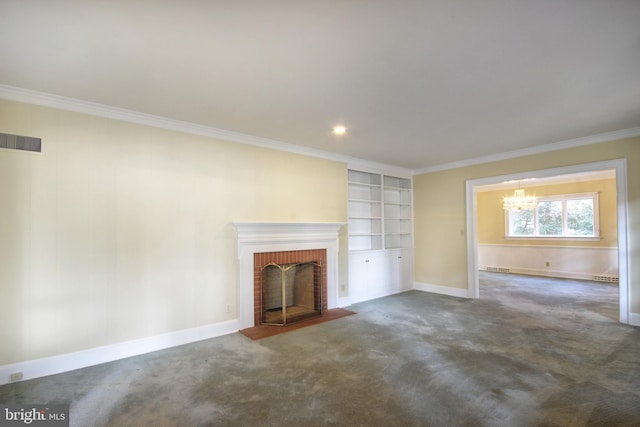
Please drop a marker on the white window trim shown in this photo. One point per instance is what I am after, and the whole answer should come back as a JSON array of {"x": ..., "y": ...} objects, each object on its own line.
[{"x": 564, "y": 197}]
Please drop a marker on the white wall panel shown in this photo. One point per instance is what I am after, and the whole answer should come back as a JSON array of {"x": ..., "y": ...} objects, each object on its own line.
[{"x": 579, "y": 262}]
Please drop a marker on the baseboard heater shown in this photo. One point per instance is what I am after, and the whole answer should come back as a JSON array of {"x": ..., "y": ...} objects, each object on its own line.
[
  {"x": 497, "y": 269},
  {"x": 608, "y": 279},
  {"x": 595, "y": 278}
]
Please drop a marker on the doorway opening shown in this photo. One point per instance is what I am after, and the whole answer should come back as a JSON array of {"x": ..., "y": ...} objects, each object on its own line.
[{"x": 619, "y": 168}]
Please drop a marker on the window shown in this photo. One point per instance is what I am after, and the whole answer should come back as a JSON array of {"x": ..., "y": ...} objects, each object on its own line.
[{"x": 566, "y": 216}]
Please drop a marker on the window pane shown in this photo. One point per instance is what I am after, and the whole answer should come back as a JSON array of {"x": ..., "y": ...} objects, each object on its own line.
[
  {"x": 521, "y": 222},
  {"x": 550, "y": 218},
  {"x": 580, "y": 217}
]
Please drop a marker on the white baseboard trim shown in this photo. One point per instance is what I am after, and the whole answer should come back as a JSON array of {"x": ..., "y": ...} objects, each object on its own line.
[
  {"x": 443, "y": 290},
  {"x": 344, "y": 302},
  {"x": 634, "y": 319},
  {"x": 368, "y": 297},
  {"x": 94, "y": 356}
]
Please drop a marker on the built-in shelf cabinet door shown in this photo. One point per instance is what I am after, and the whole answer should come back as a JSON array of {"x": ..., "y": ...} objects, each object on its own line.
[
  {"x": 365, "y": 281},
  {"x": 375, "y": 274},
  {"x": 399, "y": 271}
]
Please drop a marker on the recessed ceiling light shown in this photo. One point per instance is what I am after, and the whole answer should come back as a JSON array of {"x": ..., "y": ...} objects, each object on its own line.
[{"x": 339, "y": 130}]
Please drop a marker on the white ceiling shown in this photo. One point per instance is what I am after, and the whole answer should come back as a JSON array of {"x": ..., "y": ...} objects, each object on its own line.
[{"x": 418, "y": 83}]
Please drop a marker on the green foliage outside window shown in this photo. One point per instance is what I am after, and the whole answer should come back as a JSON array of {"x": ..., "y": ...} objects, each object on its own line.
[
  {"x": 522, "y": 221},
  {"x": 562, "y": 216},
  {"x": 580, "y": 217},
  {"x": 550, "y": 218}
]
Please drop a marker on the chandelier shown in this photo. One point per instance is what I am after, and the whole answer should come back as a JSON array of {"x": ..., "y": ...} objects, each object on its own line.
[{"x": 519, "y": 201}]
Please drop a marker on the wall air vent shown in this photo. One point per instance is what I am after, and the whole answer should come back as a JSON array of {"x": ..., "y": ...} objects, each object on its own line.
[{"x": 17, "y": 142}]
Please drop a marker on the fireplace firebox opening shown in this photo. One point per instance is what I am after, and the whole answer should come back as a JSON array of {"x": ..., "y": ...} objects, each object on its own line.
[
  {"x": 290, "y": 293},
  {"x": 311, "y": 269}
]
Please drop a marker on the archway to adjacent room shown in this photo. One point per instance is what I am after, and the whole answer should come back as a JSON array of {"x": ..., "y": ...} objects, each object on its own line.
[{"x": 619, "y": 166}]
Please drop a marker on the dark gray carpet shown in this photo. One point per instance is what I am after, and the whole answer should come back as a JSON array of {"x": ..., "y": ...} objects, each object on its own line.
[{"x": 529, "y": 352}]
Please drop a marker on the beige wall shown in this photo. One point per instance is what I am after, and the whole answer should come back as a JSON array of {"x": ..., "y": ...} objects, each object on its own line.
[
  {"x": 440, "y": 212},
  {"x": 120, "y": 231},
  {"x": 491, "y": 216}
]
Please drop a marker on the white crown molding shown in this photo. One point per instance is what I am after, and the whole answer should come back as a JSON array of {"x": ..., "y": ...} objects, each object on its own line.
[
  {"x": 380, "y": 168},
  {"x": 28, "y": 96},
  {"x": 43, "y": 99},
  {"x": 571, "y": 143}
]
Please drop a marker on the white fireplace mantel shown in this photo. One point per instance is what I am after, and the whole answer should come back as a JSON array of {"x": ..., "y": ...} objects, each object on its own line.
[{"x": 257, "y": 237}]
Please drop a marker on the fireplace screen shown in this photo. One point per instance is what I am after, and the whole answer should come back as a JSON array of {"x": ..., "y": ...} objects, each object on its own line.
[{"x": 291, "y": 292}]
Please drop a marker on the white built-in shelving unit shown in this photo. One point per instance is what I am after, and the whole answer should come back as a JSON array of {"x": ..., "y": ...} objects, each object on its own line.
[
  {"x": 365, "y": 211},
  {"x": 380, "y": 235},
  {"x": 397, "y": 213},
  {"x": 380, "y": 212}
]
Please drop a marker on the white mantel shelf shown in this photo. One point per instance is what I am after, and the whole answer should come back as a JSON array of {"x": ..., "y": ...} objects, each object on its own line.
[
  {"x": 263, "y": 236},
  {"x": 281, "y": 224},
  {"x": 258, "y": 231}
]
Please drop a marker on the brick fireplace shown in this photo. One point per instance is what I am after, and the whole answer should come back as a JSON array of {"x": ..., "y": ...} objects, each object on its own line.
[{"x": 285, "y": 242}]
